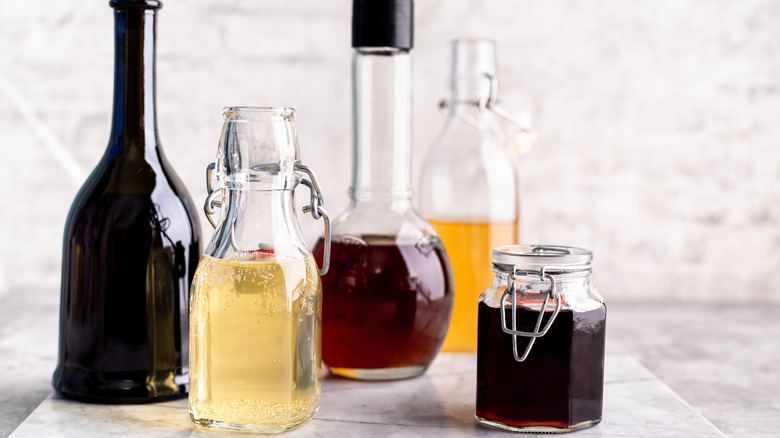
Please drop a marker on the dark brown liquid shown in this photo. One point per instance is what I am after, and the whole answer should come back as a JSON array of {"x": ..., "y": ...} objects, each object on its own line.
[
  {"x": 127, "y": 265},
  {"x": 384, "y": 304},
  {"x": 561, "y": 382},
  {"x": 130, "y": 249}
]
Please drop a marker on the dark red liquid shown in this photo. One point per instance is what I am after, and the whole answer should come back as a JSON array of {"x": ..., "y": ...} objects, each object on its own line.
[
  {"x": 560, "y": 384},
  {"x": 385, "y": 304}
]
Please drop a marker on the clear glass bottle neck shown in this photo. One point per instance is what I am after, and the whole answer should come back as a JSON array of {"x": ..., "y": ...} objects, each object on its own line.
[
  {"x": 382, "y": 127},
  {"x": 134, "y": 121},
  {"x": 467, "y": 96},
  {"x": 473, "y": 72},
  {"x": 257, "y": 221}
]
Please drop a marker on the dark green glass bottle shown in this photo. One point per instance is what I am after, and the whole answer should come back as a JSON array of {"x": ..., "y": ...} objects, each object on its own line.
[{"x": 131, "y": 245}]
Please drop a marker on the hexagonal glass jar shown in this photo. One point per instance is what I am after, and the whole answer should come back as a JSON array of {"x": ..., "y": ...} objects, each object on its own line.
[{"x": 540, "y": 354}]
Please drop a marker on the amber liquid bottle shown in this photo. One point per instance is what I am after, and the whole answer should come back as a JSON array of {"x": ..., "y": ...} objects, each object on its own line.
[
  {"x": 387, "y": 298},
  {"x": 469, "y": 186},
  {"x": 130, "y": 249}
]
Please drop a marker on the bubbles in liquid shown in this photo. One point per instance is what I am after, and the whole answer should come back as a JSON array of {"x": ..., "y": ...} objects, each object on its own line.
[{"x": 255, "y": 327}]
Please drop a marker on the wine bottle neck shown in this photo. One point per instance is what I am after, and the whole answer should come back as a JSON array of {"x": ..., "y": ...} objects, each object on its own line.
[
  {"x": 382, "y": 121},
  {"x": 134, "y": 123}
]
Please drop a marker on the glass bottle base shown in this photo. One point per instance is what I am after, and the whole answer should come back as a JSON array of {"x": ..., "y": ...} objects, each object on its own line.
[
  {"x": 127, "y": 387},
  {"x": 254, "y": 428},
  {"x": 534, "y": 428},
  {"x": 396, "y": 373},
  {"x": 119, "y": 399}
]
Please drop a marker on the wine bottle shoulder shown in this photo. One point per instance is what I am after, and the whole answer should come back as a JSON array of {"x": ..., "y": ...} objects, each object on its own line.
[{"x": 124, "y": 182}]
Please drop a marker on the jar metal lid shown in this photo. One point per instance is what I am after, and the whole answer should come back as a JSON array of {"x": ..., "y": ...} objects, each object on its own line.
[
  {"x": 546, "y": 262},
  {"x": 537, "y": 257}
]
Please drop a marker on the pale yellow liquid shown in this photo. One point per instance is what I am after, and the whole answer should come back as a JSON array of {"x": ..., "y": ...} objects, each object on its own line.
[
  {"x": 255, "y": 343},
  {"x": 469, "y": 246}
]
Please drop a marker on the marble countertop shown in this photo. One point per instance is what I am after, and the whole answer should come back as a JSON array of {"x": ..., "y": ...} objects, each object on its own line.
[
  {"x": 723, "y": 362},
  {"x": 439, "y": 403}
]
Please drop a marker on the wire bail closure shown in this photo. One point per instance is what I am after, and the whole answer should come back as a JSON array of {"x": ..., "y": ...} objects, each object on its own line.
[
  {"x": 316, "y": 206},
  {"x": 490, "y": 103},
  {"x": 213, "y": 200},
  {"x": 551, "y": 292},
  {"x": 317, "y": 210}
]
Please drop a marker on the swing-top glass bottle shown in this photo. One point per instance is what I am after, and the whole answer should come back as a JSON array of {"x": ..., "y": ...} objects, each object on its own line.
[
  {"x": 470, "y": 184},
  {"x": 255, "y": 310}
]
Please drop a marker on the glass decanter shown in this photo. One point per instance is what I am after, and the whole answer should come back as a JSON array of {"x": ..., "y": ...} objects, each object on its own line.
[{"x": 388, "y": 297}]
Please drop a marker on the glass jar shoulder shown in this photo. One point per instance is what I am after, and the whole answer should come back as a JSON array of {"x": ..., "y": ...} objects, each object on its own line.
[{"x": 576, "y": 294}]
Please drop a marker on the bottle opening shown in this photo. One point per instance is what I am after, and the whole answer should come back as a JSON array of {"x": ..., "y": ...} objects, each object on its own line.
[
  {"x": 258, "y": 148},
  {"x": 473, "y": 66},
  {"x": 252, "y": 113}
]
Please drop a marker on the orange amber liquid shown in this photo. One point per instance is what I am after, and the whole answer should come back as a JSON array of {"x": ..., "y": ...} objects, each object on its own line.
[{"x": 469, "y": 245}]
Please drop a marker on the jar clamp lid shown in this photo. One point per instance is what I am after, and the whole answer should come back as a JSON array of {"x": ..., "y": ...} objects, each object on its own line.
[
  {"x": 546, "y": 262},
  {"x": 548, "y": 258}
]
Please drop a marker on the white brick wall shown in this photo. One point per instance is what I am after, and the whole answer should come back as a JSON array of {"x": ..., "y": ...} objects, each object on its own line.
[{"x": 657, "y": 121}]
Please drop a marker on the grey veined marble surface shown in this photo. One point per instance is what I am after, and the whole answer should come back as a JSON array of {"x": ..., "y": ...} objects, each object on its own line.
[{"x": 437, "y": 404}]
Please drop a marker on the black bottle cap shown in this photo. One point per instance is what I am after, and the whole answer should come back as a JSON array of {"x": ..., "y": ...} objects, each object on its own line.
[
  {"x": 382, "y": 23},
  {"x": 135, "y": 4}
]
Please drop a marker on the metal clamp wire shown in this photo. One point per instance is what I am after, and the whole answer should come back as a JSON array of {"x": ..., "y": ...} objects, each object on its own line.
[
  {"x": 489, "y": 103},
  {"x": 212, "y": 201},
  {"x": 315, "y": 207},
  {"x": 317, "y": 210},
  {"x": 536, "y": 333}
]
